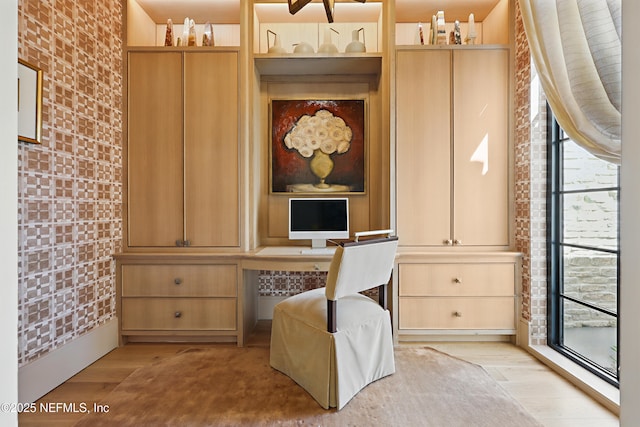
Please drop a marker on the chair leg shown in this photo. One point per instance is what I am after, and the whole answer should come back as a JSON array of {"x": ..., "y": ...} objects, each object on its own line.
[
  {"x": 382, "y": 296},
  {"x": 331, "y": 316}
]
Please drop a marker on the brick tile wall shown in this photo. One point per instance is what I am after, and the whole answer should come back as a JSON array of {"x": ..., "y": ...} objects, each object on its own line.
[{"x": 70, "y": 191}]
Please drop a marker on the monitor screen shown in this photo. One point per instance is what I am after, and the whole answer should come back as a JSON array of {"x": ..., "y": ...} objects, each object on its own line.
[{"x": 318, "y": 219}]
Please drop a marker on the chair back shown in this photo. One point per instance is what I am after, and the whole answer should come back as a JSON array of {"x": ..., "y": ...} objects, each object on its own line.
[{"x": 358, "y": 266}]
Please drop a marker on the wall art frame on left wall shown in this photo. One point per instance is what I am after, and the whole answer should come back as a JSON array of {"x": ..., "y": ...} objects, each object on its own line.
[{"x": 29, "y": 103}]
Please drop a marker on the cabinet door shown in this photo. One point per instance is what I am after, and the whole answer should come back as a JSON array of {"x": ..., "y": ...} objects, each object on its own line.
[
  {"x": 155, "y": 164},
  {"x": 423, "y": 144},
  {"x": 211, "y": 149},
  {"x": 480, "y": 133}
]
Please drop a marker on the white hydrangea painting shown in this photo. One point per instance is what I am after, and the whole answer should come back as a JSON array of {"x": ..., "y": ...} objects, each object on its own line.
[{"x": 317, "y": 146}]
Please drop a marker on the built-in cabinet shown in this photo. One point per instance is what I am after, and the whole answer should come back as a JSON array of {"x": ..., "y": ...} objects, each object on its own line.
[
  {"x": 452, "y": 195},
  {"x": 452, "y": 147},
  {"x": 183, "y": 149},
  {"x": 197, "y": 162},
  {"x": 456, "y": 294}
]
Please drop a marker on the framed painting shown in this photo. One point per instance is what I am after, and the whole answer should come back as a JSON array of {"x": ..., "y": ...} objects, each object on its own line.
[
  {"x": 29, "y": 103},
  {"x": 317, "y": 146}
]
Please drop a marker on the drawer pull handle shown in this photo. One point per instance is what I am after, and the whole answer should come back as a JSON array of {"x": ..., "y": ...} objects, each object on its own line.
[
  {"x": 457, "y": 280},
  {"x": 457, "y": 313},
  {"x": 448, "y": 242},
  {"x": 177, "y": 281},
  {"x": 316, "y": 267},
  {"x": 457, "y": 242},
  {"x": 177, "y": 314}
]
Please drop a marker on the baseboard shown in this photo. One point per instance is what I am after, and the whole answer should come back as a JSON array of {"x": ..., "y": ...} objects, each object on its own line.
[
  {"x": 46, "y": 373},
  {"x": 265, "y": 306}
]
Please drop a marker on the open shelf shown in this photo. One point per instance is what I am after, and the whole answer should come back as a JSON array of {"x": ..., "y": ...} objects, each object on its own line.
[{"x": 318, "y": 64}]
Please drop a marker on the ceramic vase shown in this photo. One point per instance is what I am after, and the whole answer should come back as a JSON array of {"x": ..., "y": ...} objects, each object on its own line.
[{"x": 321, "y": 165}]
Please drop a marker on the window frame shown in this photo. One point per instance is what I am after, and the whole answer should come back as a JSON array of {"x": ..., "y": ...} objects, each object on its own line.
[{"x": 555, "y": 246}]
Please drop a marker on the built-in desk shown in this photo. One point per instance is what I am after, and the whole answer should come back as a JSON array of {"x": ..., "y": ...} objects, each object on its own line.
[
  {"x": 275, "y": 258},
  {"x": 197, "y": 296}
]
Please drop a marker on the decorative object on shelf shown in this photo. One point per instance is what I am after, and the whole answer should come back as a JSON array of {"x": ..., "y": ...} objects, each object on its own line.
[
  {"x": 327, "y": 46},
  {"x": 420, "y": 34},
  {"x": 356, "y": 45},
  {"x": 192, "y": 33},
  {"x": 442, "y": 32},
  {"x": 433, "y": 31},
  {"x": 296, "y": 5},
  {"x": 185, "y": 32},
  {"x": 302, "y": 48},
  {"x": 29, "y": 103},
  {"x": 207, "y": 36},
  {"x": 471, "y": 30},
  {"x": 276, "y": 47},
  {"x": 168, "y": 36},
  {"x": 317, "y": 146},
  {"x": 457, "y": 39}
]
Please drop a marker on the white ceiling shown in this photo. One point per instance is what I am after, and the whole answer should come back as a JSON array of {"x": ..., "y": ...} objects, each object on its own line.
[{"x": 228, "y": 11}]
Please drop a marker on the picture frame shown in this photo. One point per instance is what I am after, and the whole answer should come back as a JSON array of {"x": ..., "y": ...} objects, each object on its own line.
[
  {"x": 29, "y": 103},
  {"x": 317, "y": 146}
]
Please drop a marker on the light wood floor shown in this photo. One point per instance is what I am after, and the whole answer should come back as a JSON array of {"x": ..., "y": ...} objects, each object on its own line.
[{"x": 548, "y": 397}]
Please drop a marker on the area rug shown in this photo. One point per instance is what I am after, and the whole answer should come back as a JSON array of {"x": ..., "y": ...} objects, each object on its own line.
[{"x": 236, "y": 386}]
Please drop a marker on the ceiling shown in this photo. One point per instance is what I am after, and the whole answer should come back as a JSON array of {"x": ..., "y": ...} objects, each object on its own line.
[{"x": 228, "y": 11}]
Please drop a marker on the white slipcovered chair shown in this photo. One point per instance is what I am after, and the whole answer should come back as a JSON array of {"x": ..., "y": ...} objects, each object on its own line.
[{"x": 334, "y": 341}]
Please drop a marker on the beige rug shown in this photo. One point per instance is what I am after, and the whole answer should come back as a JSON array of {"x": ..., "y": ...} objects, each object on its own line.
[{"x": 236, "y": 386}]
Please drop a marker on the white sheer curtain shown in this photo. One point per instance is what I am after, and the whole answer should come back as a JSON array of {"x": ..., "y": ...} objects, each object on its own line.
[{"x": 576, "y": 47}]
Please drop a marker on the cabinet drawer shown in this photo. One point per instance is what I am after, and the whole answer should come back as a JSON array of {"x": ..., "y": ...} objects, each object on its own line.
[
  {"x": 457, "y": 313},
  {"x": 179, "y": 280},
  {"x": 178, "y": 314},
  {"x": 456, "y": 279}
]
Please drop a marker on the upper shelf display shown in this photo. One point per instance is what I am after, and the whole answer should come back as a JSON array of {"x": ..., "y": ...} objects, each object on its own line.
[
  {"x": 489, "y": 19},
  {"x": 147, "y": 21}
]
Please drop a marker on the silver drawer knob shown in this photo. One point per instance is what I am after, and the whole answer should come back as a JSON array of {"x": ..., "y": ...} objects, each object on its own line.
[
  {"x": 448, "y": 242},
  {"x": 177, "y": 314},
  {"x": 177, "y": 281},
  {"x": 457, "y": 242},
  {"x": 457, "y": 280},
  {"x": 457, "y": 313}
]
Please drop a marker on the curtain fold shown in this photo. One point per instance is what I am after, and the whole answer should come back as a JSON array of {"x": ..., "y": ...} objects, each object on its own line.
[{"x": 576, "y": 47}]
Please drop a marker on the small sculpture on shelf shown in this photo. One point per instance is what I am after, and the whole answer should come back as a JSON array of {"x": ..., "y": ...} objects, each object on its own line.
[
  {"x": 420, "y": 34},
  {"x": 471, "y": 30},
  {"x": 207, "y": 36},
  {"x": 441, "y": 30},
  {"x": 192, "y": 33},
  {"x": 168, "y": 37},
  {"x": 457, "y": 39}
]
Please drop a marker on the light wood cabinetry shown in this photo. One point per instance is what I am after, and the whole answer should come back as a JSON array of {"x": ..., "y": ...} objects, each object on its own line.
[
  {"x": 174, "y": 299},
  {"x": 183, "y": 161},
  {"x": 452, "y": 145},
  {"x": 452, "y": 194},
  {"x": 448, "y": 294}
]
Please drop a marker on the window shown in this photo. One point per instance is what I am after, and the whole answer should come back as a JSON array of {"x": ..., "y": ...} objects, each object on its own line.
[{"x": 583, "y": 238}]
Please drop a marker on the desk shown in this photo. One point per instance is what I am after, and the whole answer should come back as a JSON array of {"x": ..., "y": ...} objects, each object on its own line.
[
  {"x": 279, "y": 259},
  {"x": 197, "y": 296}
]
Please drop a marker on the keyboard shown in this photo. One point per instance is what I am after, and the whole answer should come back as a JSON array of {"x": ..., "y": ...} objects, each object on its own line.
[{"x": 318, "y": 251}]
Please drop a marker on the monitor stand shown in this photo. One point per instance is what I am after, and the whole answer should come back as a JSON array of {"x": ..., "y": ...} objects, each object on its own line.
[
  {"x": 318, "y": 243},
  {"x": 318, "y": 247}
]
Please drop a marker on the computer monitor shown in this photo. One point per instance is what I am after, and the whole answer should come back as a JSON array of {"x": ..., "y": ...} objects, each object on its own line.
[{"x": 318, "y": 219}]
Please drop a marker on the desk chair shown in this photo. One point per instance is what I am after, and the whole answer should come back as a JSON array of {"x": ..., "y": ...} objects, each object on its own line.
[{"x": 334, "y": 341}]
